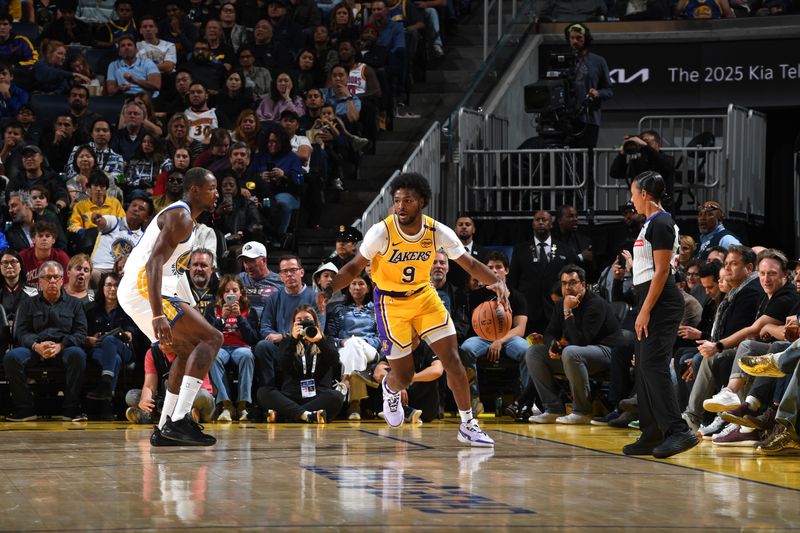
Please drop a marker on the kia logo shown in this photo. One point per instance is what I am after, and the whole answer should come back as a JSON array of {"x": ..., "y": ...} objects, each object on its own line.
[{"x": 620, "y": 75}]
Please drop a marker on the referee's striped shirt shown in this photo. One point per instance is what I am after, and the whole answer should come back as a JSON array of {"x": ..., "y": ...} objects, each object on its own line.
[{"x": 659, "y": 232}]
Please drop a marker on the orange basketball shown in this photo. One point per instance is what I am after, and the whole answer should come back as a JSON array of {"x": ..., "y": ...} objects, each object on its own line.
[{"x": 491, "y": 321}]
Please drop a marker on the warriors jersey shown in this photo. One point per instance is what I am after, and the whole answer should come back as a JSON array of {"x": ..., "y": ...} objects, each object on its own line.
[
  {"x": 174, "y": 281},
  {"x": 357, "y": 79},
  {"x": 402, "y": 263},
  {"x": 201, "y": 123},
  {"x": 115, "y": 241}
]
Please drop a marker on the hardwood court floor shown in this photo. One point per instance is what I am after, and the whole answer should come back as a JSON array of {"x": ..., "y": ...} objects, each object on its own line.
[{"x": 366, "y": 477}]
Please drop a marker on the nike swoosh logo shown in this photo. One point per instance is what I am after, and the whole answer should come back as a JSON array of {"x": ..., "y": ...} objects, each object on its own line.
[{"x": 397, "y": 243}]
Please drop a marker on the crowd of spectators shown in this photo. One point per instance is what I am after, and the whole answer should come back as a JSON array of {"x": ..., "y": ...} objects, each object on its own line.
[{"x": 284, "y": 97}]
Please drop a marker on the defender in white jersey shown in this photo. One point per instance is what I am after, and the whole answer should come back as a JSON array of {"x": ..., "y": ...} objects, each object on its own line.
[{"x": 155, "y": 293}]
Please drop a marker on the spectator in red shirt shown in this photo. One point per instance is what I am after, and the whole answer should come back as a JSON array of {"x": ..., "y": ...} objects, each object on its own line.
[{"x": 43, "y": 235}]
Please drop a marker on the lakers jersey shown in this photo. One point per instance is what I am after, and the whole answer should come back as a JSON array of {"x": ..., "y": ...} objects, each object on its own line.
[
  {"x": 174, "y": 281},
  {"x": 402, "y": 263}
]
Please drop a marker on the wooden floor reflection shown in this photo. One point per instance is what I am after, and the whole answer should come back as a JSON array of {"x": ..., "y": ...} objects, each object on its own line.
[{"x": 365, "y": 476}]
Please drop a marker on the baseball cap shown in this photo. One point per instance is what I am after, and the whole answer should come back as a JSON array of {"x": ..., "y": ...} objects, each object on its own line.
[
  {"x": 348, "y": 234},
  {"x": 253, "y": 250},
  {"x": 31, "y": 148}
]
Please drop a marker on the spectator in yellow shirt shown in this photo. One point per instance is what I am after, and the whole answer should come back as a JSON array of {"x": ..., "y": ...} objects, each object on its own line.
[{"x": 98, "y": 203}]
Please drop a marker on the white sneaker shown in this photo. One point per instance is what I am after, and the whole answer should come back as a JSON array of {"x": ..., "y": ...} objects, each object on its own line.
[
  {"x": 691, "y": 422},
  {"x": 545, "y": 418},
  {"x": 574, "y": 419},
  {"x": 472, "y": 434},
  {"x": 724, "y": 400},
  {"x": 414, "y": 416},
  {"x": 392, "y": 410},
  {"x": 707, "y": 432},
  {"x": 354, "y": 416},
  {"x": 224, "y": 416},
  {"x": 243, "y": 415}
]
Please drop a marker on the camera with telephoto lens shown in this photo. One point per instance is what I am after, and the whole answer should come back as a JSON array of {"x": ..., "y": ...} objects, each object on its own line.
[
  {"x": 631, "y": 147},
  {"x": 309, "y": 328}
]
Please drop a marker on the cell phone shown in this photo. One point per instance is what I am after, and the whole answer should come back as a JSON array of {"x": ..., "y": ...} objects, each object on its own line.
[
  {"x": 230, "y": 299},
  {"x": 270, "y": 166},
  {"x": 227, "y": 197}
]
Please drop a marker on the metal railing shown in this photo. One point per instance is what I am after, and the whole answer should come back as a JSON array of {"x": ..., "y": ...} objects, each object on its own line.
[
  {"x": 728, "y": 168},
  {"x": 425, "y": 159},
  {"x": 504, "y": 184}
]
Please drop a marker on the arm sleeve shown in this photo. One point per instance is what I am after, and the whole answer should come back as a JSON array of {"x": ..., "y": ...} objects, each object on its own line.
[
  {"x": 268, "y": 316},
  {"x": 247, "y": 329},
  {"x": 661, "y": 233},
  {"x": 79, "y": 328},
  {"x": 375, "y": 241},
  {"x": 23, "y": 325},
  {"x": 171, "y": 54},
  {"x": 729, "y": 240},
  {"x": 446, "y": 238}
]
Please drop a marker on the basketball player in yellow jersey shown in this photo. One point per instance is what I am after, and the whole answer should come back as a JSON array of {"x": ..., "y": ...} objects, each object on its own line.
[
  {"x": 154, "y": 294},
  {"x": 402, "y": 248}
]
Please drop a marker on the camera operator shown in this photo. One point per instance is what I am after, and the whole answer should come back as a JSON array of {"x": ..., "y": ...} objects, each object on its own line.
[
  {"x": 640, "y": 153},
  {"x": 306, "y": 360},
  {"x": 592, "y": 85}
]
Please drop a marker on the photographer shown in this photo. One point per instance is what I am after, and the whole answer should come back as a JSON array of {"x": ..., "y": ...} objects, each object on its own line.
[
  {"x": 108, "y": 342},
  {"x": 640, "y": 153},
  {"x": 592, "y": 85},
  {"x": 306, "y": 360}
]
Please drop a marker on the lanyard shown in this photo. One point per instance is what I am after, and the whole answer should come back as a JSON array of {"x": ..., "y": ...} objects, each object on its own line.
[{"x": 313, "y": 365}]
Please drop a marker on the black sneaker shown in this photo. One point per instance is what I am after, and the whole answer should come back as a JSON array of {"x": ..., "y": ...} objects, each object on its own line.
[
  {"x": 512, "y": 410},
  {"x": 604, "y": 420},
  {"x": 640, "y": 447},
  {"x": 186, "y": 432},
  {"x": 157, "y": 440},
  {"x": 102, "y": 392},
  {"x": 676, "y": 443}
]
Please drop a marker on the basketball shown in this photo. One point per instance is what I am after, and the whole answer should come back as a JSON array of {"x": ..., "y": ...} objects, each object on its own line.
[{"x": 491, "y": 321}]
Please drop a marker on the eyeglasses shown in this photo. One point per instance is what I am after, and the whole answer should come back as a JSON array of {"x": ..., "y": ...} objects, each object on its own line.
[
  {"x": 289, "y": 271},
  {"x": 53, "y": 278},
  {"x": 9, "y": 262}
]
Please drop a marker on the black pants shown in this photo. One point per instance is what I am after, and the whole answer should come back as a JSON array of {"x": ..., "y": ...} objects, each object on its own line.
[
  {"x": 659, "y": 415},
  {"x": 621, "y": 356},
  {"x": 291, "y": 407}
]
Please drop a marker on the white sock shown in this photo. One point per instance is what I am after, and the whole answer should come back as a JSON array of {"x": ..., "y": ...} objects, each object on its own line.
[
  {"x": 466, "y": 416},
  {"x": 306, "y": 416},
  {"x": 189, "y": 388},
  {"x": 753, "y": 402},
  {"x": 169, "y": 406}
]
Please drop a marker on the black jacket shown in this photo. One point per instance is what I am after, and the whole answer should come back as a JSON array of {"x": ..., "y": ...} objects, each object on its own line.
[
  {"x": 291, "y": 367},
  {"x": 536, "y": 280},
  {"x": 38, "y": 320},
  {"x": 593, "y": 322},
  {"x": 457, "y": 275}
]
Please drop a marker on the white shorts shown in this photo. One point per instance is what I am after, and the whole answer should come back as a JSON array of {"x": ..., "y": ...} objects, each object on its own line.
[{"x": 138, "y": 308}]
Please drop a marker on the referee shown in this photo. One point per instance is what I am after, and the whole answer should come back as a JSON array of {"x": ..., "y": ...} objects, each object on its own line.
[{"x": 655, "y": 254}]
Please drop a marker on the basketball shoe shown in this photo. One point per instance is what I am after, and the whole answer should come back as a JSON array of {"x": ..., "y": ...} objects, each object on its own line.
[
  {"x": 472, "y": 434},
  {"x": 392, "y": 409}
]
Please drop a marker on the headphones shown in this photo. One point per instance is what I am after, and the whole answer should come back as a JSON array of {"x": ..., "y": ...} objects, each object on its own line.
[{"x": 583, "y": 30}]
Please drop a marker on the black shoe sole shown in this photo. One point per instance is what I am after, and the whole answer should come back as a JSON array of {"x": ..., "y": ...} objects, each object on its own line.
[
  {"x": 185, "y": 440},
  {"x": 635, "y": 449},
  {"x": 157, "y": 440}
]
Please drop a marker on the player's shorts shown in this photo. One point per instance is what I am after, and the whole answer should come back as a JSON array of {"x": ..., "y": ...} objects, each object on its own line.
[
  {"x": 398, "y": 317},
  {"x": 136, "y": 304}
]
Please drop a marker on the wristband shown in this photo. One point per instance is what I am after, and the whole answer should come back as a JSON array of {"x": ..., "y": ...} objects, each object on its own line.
[
  {"x": 157, "y": 317},
  {"x": 720, "y": 347}
]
